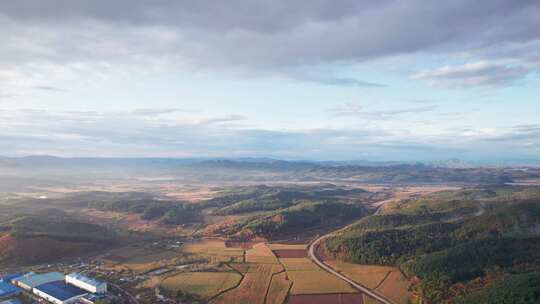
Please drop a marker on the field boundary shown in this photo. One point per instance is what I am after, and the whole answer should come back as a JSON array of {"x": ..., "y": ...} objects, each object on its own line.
[
  {"x": 231, "y": 288},
  {"x": 270, "y": 283},
  {"x": 384, "y": 279}
]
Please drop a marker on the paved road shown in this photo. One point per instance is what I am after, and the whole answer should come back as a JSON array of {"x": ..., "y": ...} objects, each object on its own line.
[{"x": 315, "y": 258}]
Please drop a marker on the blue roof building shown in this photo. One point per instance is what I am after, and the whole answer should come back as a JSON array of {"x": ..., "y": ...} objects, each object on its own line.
[
  {"x": 9, "y": 277},
  {"x": 7, "y": 289},
  {"x": 31, "y": 280},
  {"x": 59, "y": 292},
  {"x": 11, "y": 301}
]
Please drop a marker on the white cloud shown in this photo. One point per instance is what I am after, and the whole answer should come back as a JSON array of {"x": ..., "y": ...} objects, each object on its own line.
[
  {"x": 472, "y": 75},
  {"x": 118, "y": 134},
  {"x": 351, "y": 109}
]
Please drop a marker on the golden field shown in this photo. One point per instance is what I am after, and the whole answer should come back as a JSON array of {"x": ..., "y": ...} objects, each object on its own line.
[
  {"x": 369, "y": 276},
  {"x": 202, "y": 284}
]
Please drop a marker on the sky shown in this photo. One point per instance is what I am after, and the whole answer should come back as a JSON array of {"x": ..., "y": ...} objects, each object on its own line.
[{"x": 309, "y": 79}]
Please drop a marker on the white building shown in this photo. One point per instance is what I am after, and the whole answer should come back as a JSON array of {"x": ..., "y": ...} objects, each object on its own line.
[{"x": 86, "y": 283}]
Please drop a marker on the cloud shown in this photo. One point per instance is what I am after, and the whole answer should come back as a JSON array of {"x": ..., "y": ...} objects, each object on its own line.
[
  {"x": 48, "y": 88},
  {"x": 221, "y": 119},
  {"x": 34, "y": 131},
  {"x": 348, "y": 82},
  {"x": 337, "y": 81},
  {"x": 7, "y": 96},
  {"x": 255, "y": 34},
  {"x": 357, "y": 110},
  {"x": 154, "y": 112},
  {"x": 518, "y": 135},
  {"x": 472, "y": 75}
]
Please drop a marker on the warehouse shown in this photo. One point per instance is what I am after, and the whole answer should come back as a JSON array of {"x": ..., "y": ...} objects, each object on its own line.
[
  {"x": 59, "y": 292},
  {"x": 86, "y": 283},
  {"x": 31, "y": 280},
  {"x": 11, "y": 301},
  {"x": 7, "y": 290}
]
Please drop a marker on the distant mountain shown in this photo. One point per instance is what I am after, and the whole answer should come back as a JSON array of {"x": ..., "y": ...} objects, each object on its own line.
[{"x": 50, "y": 168}]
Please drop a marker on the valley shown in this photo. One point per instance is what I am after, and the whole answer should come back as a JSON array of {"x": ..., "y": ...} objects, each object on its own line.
[{"x": 280, "y": 242}]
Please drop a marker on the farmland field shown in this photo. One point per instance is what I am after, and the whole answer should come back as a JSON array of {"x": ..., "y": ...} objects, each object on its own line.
[
  {"x": 252, "y": 288},
  {"x": 214, "y": 249},
  {"x": 279, "y": 289},
  {"x": 308, "y": 278},
  {"x": 298, "y": 264},
  {"x": 347, "y": 298},
  {"x": 260, "y": 253},
  {"x": 140, "y": 260},
  {"x": 203, "y": 284},
  {"x": 290, "y": 253},
  {"x": 317, "y": 282},
  {"x": 396, "y": 288},
  {"x": 287, "y": 246},
  {"x": 368, "y": 275},
  {"x": 370, "y": 300}
]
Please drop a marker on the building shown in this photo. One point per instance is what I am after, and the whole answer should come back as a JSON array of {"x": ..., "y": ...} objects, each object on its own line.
[
  {"x": 8, "y": 290},
  {"x": 30, "y": 280},
  {"x": 92, "y": 298},
  {"x": 86, "y": 283},
  {"x": 11, "y": 301},
  {"x": 59, "y": 292},
  {"x": 9, "y": 277}
]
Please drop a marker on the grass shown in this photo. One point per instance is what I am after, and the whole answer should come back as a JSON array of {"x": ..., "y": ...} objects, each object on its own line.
[
  {"x": 203, "y": 284},
  {"x": 396, "y": 288},
  {"x": 279, "y": 289},
  {"x": 368, "y": 275}
]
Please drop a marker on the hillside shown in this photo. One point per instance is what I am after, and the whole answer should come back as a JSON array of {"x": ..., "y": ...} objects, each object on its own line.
[
  {"x": 452, "y": 241},
  {"x": 281, "y": 211},
  {"x": 167, "y": 212},
  {"x": 302, "y": 217},
  {"x": 265, "y": 198},
  {"x": 32, "y": 239}
]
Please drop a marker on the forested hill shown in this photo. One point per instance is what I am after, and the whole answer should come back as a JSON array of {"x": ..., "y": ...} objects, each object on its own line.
[
  {"x": 49, "y": 235},
  {"x": 463, "y": 245}
]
